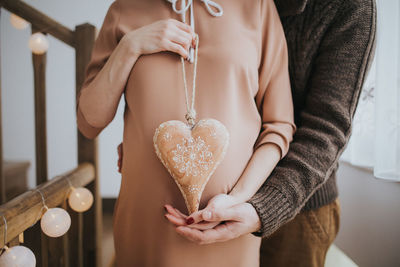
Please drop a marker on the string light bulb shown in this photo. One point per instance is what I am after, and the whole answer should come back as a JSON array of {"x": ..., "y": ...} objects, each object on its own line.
[
  {"x": 38, "y": 43},
  {"x": 17, "y": 255},
  {"x": 18, "y": 22},
  {"x": 54, "y": 222},
  {"x": 80, "y": 199}
]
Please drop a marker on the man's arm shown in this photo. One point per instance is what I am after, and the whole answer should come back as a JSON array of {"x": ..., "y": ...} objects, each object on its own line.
[{"x": 343, "y": 59}]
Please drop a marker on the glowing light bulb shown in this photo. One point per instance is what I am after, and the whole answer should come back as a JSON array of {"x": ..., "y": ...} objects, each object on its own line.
[
  {"x": 18, "y": 22},
  {"x": 17, "y": 256},
  {"x": 55, "y": 222},
  {"x": 80, "y": 199},
  {"x": 38, "y": 43}
]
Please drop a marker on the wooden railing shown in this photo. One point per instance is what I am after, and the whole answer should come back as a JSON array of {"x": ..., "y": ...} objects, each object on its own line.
[
  {"x": 23, "y": 211},
  {"x": 81, "y": 245}
]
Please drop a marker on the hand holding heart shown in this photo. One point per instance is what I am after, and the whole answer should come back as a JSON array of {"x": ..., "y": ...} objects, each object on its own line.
[
  {"x": 242, "y": 219},
  {"x": 224, "y": 218}
]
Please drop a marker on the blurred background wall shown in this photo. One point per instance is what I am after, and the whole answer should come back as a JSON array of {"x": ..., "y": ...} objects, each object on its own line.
[
  {"x": 370, "y": 221},
  {"x": 18, "y": 95}
]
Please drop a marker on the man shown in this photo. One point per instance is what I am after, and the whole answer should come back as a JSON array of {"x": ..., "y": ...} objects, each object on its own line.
[{"x": 331, "y": 44}]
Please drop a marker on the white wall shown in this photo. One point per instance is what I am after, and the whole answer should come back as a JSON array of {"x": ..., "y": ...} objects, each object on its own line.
[
  {"x": 370, "y": 221},
  {"x": 17, "y": 95}
]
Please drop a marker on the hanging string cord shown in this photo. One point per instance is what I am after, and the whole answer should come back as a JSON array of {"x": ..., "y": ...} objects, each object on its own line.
[
  {"x": 191, "y": 112},
  {"x": 185, "y": 7}
]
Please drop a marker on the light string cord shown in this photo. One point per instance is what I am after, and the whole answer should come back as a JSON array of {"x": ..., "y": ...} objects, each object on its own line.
[
  {"x": 44, "y": 206},
  {"x": 191, "y": 112},
  {"x": 43, "y": 30},
  {"x": 5, "y": 233},
  {"x": 70, "y": 184},
  {"x": 71, "y": 188}
]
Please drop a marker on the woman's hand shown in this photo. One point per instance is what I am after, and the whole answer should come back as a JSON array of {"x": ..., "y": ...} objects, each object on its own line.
[
  {"x": 162, "y": 35},
  {"x": 196, "y": 219},
  {"x": 224, "y": 218},
  {"x": 179, "y": 219},
  {"x": 231, "y": 221}
]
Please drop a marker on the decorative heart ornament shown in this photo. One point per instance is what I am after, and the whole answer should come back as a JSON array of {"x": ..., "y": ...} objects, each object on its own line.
[{"x": 191, "y": 154}]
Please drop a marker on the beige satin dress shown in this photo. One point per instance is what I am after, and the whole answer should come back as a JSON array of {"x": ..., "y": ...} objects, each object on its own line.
[{"x": 242, "y": 81}]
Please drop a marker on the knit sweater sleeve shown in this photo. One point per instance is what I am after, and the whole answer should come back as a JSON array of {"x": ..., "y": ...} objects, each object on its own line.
[
  {"x": 274, "y": 97},
  {"x": 339, "y": 70},
  {"x": 104, "y": 45}
]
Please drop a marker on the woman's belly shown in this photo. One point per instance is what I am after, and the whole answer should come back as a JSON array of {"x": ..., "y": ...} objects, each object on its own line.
[{"x": 155, "y": 93}]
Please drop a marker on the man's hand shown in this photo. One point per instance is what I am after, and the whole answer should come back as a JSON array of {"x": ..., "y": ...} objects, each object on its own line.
[
  {"x": 120, "y": 154},
  {"x": 223, "y": 219}
]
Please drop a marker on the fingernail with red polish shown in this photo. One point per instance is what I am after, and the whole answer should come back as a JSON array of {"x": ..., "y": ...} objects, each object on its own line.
[{"x": 189, "y": 220}]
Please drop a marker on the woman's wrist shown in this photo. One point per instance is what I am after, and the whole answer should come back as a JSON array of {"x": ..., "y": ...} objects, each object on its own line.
[
  {"x": 130, "y": 46},
  {"x": 261, "y": 164},
  {"x": 99, "y": 99},
  {"x": 239, "y": 195}
]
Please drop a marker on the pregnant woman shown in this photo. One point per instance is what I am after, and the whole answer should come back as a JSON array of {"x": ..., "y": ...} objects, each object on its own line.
[{"x": 242, "y": 80}]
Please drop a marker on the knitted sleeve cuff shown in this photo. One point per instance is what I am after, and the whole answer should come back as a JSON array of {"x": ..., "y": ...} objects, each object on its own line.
[{"x": 272, "y": 207}]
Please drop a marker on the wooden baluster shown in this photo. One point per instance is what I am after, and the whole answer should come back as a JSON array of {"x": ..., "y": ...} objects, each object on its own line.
[
  {"x": 2, "y": 182},
  {"x": 65, "y": 238},
  {"x": 39, "y": 66},
  {"x": 87, "y": 152},
  {"x": 35, "y": 238},
  {"x": 3, "y": 194},
  {"x": 75, "y": 239},
  {"x": 52, "y": 248}
]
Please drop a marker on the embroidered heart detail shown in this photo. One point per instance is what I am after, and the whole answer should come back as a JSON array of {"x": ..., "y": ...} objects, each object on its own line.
[{"x": 191, "y": 155}]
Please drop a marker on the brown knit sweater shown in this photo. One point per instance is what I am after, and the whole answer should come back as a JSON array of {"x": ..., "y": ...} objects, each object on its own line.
[{"x": 331, "y": 45}]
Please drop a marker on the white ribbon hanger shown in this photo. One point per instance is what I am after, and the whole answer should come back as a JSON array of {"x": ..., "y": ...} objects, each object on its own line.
[{"x": 184, "y": 7}]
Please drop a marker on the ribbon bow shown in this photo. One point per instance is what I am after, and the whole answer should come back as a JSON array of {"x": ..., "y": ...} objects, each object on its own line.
[{"x": 207, "y": 3}]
